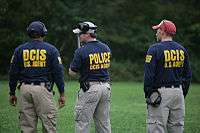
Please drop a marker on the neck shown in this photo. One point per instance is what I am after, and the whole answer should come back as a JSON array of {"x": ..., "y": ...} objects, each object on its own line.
[
  {"x": 166, "y": 39},
  {"x": 38, "y": 39},
  {"x": 91, "y": 39}
]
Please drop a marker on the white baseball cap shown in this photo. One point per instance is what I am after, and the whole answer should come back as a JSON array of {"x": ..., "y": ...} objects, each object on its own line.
[{"x": 85, "y": 27}]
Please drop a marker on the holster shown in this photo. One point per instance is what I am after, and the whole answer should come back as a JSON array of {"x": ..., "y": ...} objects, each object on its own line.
[
  {"x": 84, "y": 86},
  {"x": 49, "y": 87}
]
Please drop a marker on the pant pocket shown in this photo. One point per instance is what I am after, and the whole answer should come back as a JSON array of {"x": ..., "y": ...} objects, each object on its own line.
[
  {"x": 154, "y": 122},
  {"x": 155, "y": 126},
  {"x": 78, "y": 111},
  {"x": 109, "y": 94},
  {"x": 52, "y": 119},
  {"x": 21, "y": 120},
  {"x": 49, "y": 122},
  {"x": 91, "y": 96}
]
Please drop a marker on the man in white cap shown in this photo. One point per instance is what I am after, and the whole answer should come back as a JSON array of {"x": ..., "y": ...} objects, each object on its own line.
[{"x": 92, "y": 62}]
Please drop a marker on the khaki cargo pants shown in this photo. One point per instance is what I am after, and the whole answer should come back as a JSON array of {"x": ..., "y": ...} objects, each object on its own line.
[
  {"x": 36, "y": 102},
  {"x": 169, "y": 116},
  {"x": 94, "y": 103}
]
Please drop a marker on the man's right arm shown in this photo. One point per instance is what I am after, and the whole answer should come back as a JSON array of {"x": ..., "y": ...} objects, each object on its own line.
[
  {"x": 58, "y": 75},
  {"x": 75, "y": 64},
  {"x": 13, "y": 77},
  {"x": 187, "y": 74},
  {"x": 149, "y": 71}
]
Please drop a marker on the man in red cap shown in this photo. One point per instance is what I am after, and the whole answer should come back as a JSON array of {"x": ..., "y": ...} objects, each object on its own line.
[{"x": 167, "y": 76}]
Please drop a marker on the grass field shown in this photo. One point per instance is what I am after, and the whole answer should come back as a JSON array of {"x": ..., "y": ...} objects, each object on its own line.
[{"x": 128, "y": 109}]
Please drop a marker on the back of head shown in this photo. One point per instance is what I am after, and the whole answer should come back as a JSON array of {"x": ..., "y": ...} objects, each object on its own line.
[
  {"x": 86, "y": 27},
  {"x": 167, "y": 26},
  {"x": 36, "y": 29}
]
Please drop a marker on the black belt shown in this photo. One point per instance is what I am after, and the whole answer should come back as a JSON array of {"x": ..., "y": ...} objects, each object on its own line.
[
  {"x": 48, "y": 85},
  {"x": 34, "y": 83},
  {"x": 170, "y": 86},
  {"x": 98, "y": 82}
]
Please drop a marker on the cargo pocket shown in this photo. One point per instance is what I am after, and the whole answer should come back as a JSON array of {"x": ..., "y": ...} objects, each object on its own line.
[
  {"x": 78, "y": 111},
  {"x": 155, "y": 126},
  {"x": 154, "y": 122},
  {"x": 21, "y": 120},
  {"x": 109, "y": 93},
  {"x": 52, "y": 121},
  {"x": 91, "y": 96}
]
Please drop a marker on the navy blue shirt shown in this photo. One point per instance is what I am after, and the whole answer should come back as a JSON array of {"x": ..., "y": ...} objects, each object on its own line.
[
  {"x": 92, "y": 61},
  {"x": 36, "y": 61},
  {"x": 166, "y": 64}
]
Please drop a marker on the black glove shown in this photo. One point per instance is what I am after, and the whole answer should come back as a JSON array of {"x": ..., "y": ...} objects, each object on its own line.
[{"x": 154, "y": 99}]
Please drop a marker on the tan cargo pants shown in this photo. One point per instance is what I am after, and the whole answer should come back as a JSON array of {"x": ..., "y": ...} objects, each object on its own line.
[
  {"x": 169, "y": 116},
  {"x": 35, "y": 102},
  {"x": 94, "y": 103}
]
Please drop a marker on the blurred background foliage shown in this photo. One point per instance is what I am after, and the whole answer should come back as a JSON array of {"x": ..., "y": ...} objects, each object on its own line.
[{"x": 125, "y": 25}]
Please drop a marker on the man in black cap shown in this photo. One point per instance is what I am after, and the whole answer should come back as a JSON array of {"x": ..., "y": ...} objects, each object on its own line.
[{"x": 36, "y": 65}]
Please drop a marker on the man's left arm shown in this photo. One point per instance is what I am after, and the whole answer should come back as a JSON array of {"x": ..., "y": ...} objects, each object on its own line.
[
  {"x": 13, "y": 77},
  {"x": 187, "y": 74}
]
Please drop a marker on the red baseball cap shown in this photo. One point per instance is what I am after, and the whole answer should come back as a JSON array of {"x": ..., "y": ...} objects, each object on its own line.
[{"x": 166, "y": 25}]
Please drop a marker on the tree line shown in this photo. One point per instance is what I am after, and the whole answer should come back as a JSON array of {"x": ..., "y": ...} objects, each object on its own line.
[{"x": 125, "y": 25}]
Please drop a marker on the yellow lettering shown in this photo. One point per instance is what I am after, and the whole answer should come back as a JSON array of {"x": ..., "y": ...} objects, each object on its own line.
[
  {"x": 148, "y": 58},
  {"x": 43, "y": 64},
  {"x": 166, "y": 66},
  {"x": 94, "y": 67},
  {"x": 173, "y": 55},
  {"x": 99, "y": 58},
  {"x": 177, "y": 54},
  {"x": 182, "y": 56},
  {"x": 95, "y": 58},
  {"x": 32, "y": 54},
  {"x": 167, "y": 55},
  {"x": 102, "y": 66},
  {"x": 43, "y": 55},
  {"x": 174, "y": 58},
  {"x": 26, "y": 55},
  {"x": 38, "y": 64},
  {"x": 108, "y": 57},
  {"x": 103, "y": 57},
  {"x": 170, "y": 64},
  {"x": 34, "y": 58},
  {"x": 38, "y": 54},
  {"x": 27, "y": 64},
  {"x": 91, "y": 58}
]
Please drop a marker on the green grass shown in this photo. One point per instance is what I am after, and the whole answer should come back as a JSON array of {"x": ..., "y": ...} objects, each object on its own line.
[{"x": 128, "y": 109}]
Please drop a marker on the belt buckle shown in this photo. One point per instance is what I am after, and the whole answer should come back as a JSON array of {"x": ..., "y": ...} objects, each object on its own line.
[
  {"x": 37, "y": 83},
  {"x": 42, "y": 84}
]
